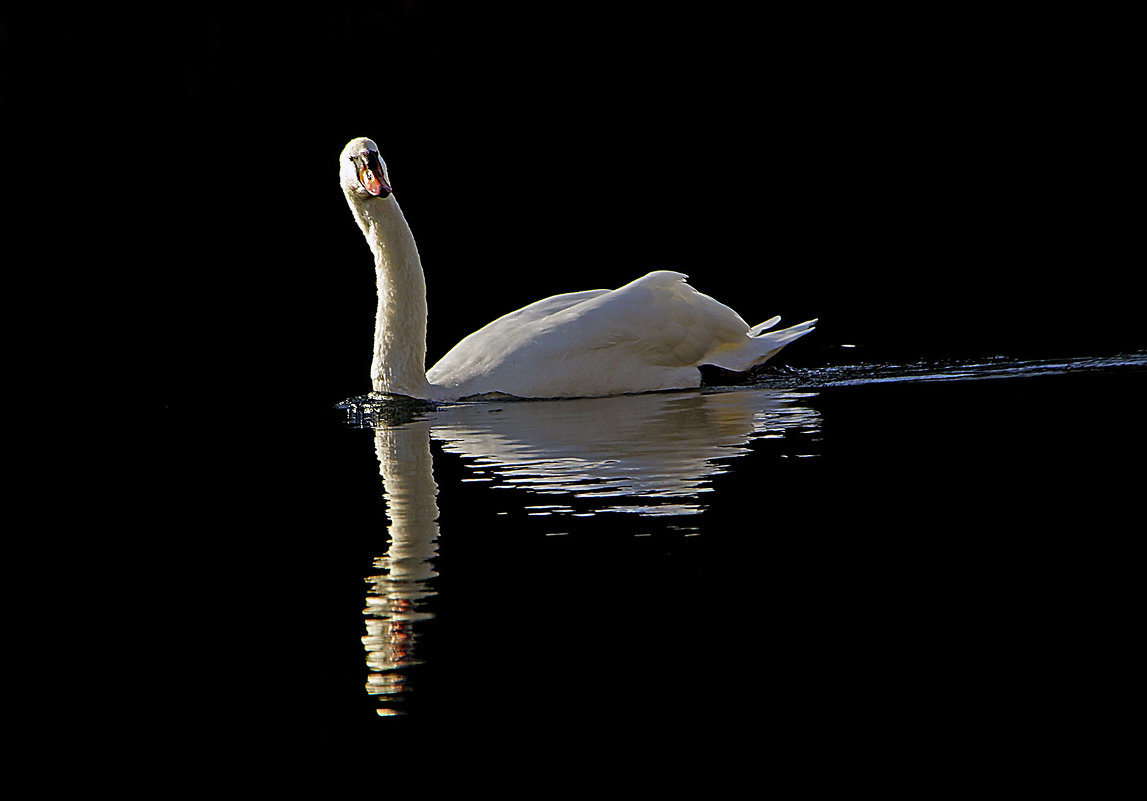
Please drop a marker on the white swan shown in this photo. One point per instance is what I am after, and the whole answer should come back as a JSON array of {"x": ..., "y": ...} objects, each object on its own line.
[{"x": 652, "y": 334}]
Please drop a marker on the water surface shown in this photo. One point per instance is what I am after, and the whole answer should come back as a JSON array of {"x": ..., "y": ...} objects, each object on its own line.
[{"x": 609, "y": 544}]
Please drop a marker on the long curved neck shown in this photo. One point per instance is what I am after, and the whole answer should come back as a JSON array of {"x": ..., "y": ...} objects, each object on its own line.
[{"x": 399, "y": 365}]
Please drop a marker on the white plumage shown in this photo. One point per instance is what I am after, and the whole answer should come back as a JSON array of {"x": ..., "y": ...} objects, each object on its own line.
[{"x": 651, "y": 334}]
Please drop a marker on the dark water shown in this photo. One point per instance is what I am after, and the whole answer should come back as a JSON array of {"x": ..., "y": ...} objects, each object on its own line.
[{"x": 842, "y": 553}]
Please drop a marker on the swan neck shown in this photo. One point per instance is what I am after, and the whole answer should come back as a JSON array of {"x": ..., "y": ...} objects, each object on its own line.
[{"x": 399, "y": 364}]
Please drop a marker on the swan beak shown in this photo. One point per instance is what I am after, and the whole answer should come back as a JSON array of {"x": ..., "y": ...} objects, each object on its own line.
[{"x": 373, "y": 183}]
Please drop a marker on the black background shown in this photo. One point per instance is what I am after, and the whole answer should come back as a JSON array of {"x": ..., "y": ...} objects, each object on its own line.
[
  {"x": 930, "y": 185},
  {"x": 947, "y": 187}
]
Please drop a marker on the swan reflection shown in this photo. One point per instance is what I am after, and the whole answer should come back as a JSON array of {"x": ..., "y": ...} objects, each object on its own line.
[
  {"x": 646, "y": 454},
  {"x": 652, "y": 454}
]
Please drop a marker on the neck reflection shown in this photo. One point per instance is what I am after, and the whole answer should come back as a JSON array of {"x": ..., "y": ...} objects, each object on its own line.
[{"x": 396, "y": 596}]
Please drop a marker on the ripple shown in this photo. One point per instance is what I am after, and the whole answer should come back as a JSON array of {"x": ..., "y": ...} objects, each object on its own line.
[{"x": 996, "y": 367}]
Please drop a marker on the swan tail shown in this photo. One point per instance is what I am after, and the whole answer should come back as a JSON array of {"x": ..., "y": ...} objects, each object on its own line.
[
  {"x": 761, "y": 345},
  {"x": 773, "y": 341},
  {"x": 759, "y": 327}
]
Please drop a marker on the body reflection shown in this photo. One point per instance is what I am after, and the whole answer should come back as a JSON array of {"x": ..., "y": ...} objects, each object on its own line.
[
  {"x": 652, "y": 454},
  {"x": 647, "y": 454}
]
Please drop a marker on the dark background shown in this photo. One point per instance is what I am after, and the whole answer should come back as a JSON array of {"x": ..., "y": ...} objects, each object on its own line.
[{"x": 930, "y": 185}]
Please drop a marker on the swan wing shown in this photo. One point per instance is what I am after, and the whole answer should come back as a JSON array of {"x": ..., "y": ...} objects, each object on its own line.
[
  {"x": 650, "y": 334},
  {"x": 663, "y": 322},
  {"x": 540, "y": 310},
  {"x": 667, "y": 323}
]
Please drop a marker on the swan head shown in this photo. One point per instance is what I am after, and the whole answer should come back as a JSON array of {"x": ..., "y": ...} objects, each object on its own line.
[{"x": 362, "y": 170}]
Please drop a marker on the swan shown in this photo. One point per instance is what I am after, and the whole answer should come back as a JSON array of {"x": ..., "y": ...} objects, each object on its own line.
[{"x": 652, "y": 334}]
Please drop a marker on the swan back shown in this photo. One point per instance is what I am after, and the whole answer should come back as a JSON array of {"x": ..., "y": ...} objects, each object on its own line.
[{"x": 651, "y": 334}]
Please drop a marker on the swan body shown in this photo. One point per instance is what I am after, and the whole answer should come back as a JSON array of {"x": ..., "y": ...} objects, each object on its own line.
[{"x": 651, "y": 334}]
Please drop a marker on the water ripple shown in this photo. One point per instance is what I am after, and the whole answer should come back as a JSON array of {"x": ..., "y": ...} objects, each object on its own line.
[{"x": 927, "y": 371}]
